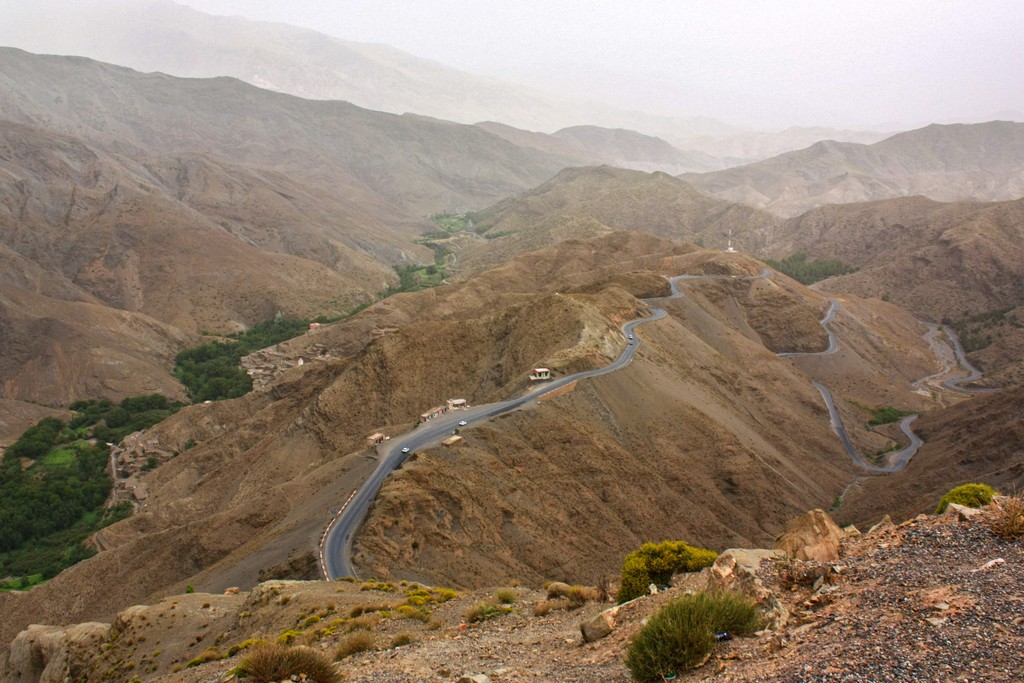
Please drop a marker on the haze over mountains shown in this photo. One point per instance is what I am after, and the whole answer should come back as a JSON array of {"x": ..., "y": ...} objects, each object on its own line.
[
  {"x": 948, "y": 163},
  {"x": 145, "y": 213},
  {"x": 158, "y": 35}
]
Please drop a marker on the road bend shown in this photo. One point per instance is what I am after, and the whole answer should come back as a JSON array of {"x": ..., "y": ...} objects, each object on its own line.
[{"x": 336, "y": 544}]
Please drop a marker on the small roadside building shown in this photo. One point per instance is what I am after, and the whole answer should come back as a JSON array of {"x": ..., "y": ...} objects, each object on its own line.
[
  {"x": 434, "y": 412},
  {"x": 455, "y": 403},
  {"x": 452, "y": 441},
  {"x": 374, "y": 439},
  {"x": 540, "y": 374}
]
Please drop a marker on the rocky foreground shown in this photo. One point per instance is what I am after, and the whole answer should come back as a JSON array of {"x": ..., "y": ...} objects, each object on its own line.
[{"x": 937, "y": 598}]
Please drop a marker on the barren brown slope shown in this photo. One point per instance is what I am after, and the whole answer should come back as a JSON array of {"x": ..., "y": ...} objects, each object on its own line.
[
  {"x": 587, "y": 202},
  {"x": 413, "y": 164},
  {"x": 982, "y": 161},
  {"x": 980, "y": 440},
  {"x": 938, "y": 260},
  {"x": 191, "y": 244},
  {"x": 706, "y": 422},
  {"x": 257, "y": 488}
]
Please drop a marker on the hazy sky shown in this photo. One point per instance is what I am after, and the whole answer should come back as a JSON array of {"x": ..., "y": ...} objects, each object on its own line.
[{"x": 861, "y": 63}]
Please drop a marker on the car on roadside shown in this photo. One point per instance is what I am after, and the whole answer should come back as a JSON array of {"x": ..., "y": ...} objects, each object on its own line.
[
  {"x": 463, "y": 423},
  {"x": 405, "y": 450}
]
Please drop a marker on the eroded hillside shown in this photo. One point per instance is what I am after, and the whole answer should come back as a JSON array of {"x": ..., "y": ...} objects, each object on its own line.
[{"x": 704, "y": 418}]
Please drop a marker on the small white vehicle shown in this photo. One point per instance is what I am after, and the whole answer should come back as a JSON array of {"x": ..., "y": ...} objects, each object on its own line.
[
  {"x": 405, "y": 450},
  {"x": 463, "y": 423},
  {"x": 630, "y": 336}
]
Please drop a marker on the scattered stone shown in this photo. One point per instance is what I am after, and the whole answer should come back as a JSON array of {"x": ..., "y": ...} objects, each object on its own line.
[
  {"x": 850, "y": 531},
  {"x": 231, "y": 591},
  {"x": 989, "y": 564},
  {"x": 474, "y": 678},
  {"x": 886, "y": 523},
  {"x": 962, "y": 512}
]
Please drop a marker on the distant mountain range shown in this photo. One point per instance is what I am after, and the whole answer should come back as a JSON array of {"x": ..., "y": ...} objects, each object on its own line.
[
  {"x": 157, "y": 35},
  {"x": 955, "y": 162}
]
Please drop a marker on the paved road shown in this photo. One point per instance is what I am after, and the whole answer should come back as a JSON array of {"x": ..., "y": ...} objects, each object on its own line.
[
  {"x": 833, "y": 343},
  {"x": 336, "y": 545},
  {"x": 973, "y": 373},
  {"x": 902, "y": 457}
]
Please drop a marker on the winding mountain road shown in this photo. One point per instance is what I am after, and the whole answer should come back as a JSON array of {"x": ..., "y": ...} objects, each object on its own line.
[
  {"x": 973, "y": 373},
  {"x": 336, "y": 544},
  {"x": 902, "y": 457}
]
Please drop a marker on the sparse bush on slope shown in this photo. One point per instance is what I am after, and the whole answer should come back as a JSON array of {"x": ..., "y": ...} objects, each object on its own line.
[
  {"x": 682, "y": 634},
  {"x": 656, "y": 563},
  {"x": 272, "y": 663},
  {"x": 971, "y": 495}
]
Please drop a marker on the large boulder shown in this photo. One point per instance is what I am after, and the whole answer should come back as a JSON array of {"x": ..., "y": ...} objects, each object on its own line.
[
  {"x": 811, "y": 536},
  {"x": 599, "y": 626}
]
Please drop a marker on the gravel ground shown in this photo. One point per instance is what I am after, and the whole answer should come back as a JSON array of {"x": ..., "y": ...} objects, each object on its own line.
[{"x": 931, "y": 600}]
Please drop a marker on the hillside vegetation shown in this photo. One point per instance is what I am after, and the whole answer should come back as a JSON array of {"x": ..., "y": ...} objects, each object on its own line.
[{"x": 54, "y": 481}]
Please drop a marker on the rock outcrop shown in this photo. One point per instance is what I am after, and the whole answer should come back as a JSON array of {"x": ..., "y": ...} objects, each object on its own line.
[
  {"x": 53, "y": 654},
  {"x": 812, "y": 536}
]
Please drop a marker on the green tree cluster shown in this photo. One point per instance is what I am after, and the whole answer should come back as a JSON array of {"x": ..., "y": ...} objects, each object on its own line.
[
  {"x": 37, "y": 440},
  {"x": 656, "y": 563},
  {"x": 975, "y": 330},
  {"x": 54, "y": 481},
  {"x": 886, "y": 415},
  {"x": 211, "y": 372},
  {"x": 800, "y": 269}
]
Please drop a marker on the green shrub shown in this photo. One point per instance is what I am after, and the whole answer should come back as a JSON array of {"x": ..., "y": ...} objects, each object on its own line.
[
  {"x": 800, "y": 269},
  {"x": 289, "y": 636},
  {"x": 483, "y": 611},
  {"x": 244, "y": 645},
  {"x": 656, "y": 563},
  {"x": 506, "y": 596},
  {"x": 210, "y": 654},
  {"x": 971, "y": 495},
  {"x": 410, "y": 612},
  {"x": 276, "y": 663},
  {"x": 682, "y": 634}
]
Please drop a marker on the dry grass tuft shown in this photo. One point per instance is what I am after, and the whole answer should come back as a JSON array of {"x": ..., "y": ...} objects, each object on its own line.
[
  {"x": 363, "y": 623},
  {"x": 360, "y": 641},
  {"x": 1008, "y": 517}
]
